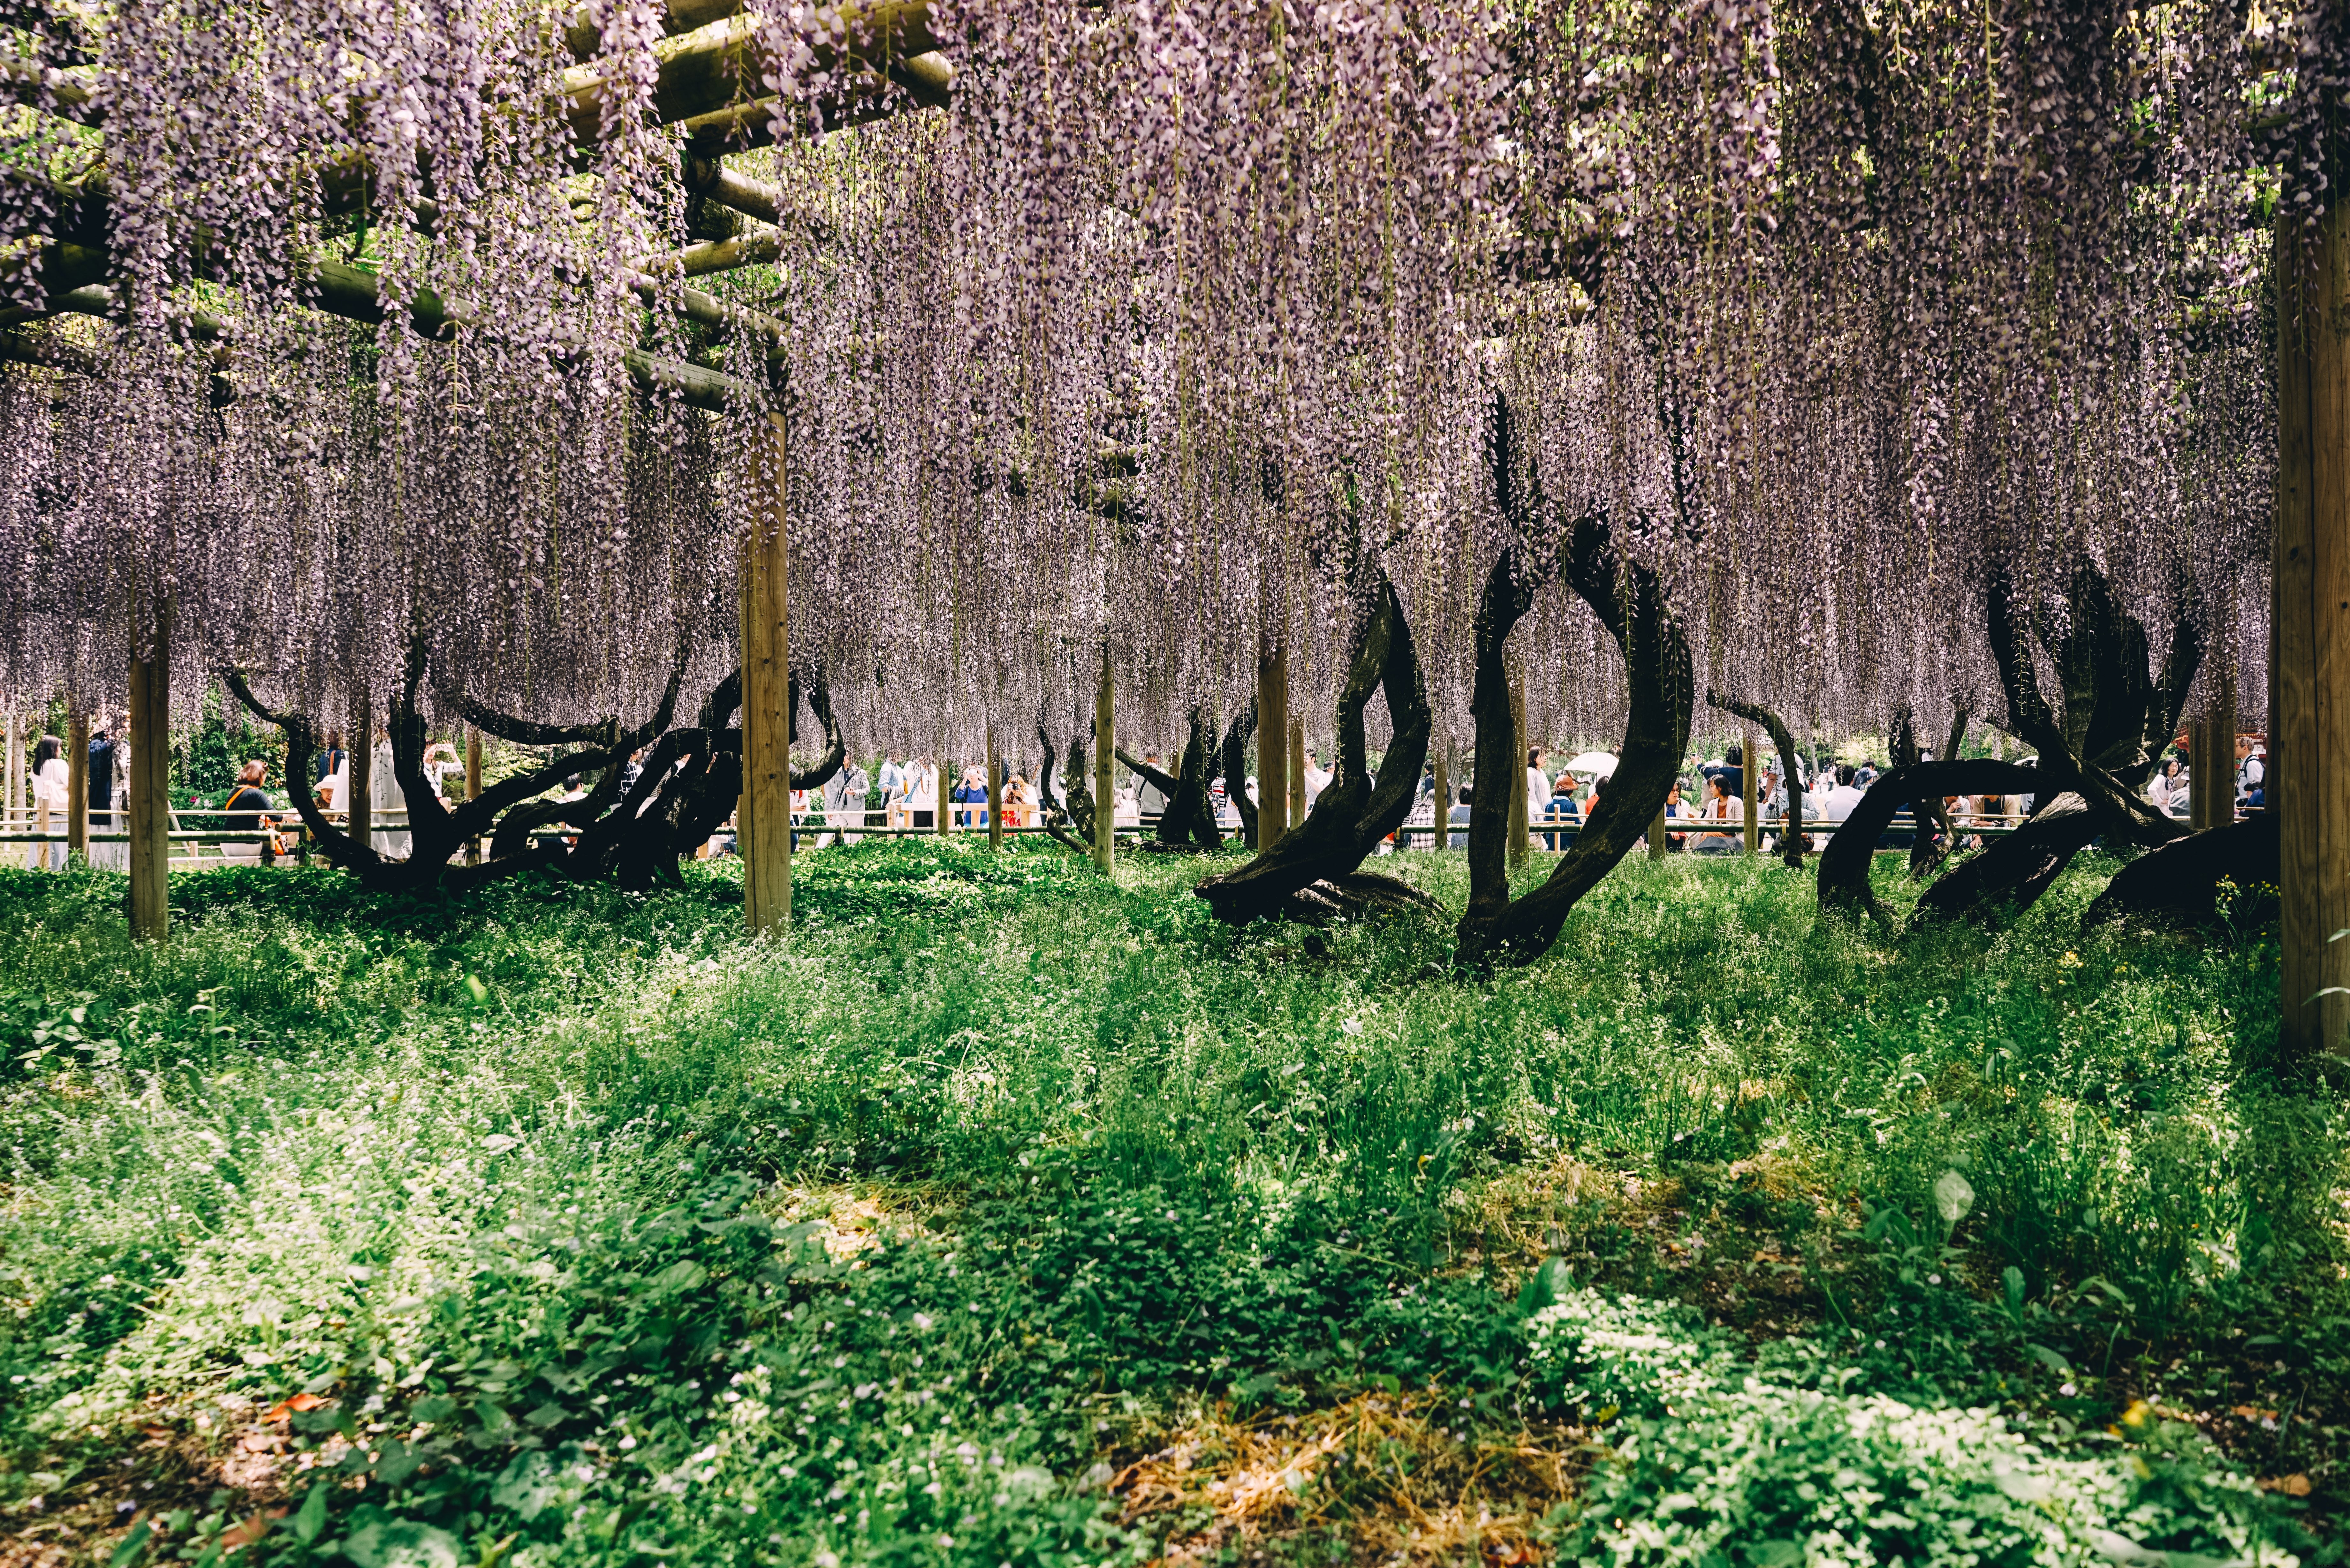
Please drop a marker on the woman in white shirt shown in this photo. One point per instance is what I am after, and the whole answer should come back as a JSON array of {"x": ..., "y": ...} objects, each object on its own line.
[{"x": 49, "y": 781}]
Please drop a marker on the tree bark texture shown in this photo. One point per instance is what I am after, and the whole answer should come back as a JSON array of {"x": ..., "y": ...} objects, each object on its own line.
[
  {"x": 1352, "y": 814},
  {"x": 1629, "y": 601}
]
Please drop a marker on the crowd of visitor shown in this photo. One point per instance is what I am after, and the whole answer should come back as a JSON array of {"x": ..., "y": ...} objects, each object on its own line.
[{"x": 903, "y": 794}]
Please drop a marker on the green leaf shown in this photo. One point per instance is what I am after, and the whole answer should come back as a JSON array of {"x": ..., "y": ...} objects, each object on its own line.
[
  {"x": 133, "y": 1546},
  {"x": 312, "y": 1516},
  {"x": 402, "y": 1543},
  {"x": 1953, "y": 1196},
  {"x": 2012, "y": 1277}
]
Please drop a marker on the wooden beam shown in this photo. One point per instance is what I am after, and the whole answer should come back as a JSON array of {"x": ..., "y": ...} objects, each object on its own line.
[
  {"x": 1271, "y": 740},
  {"x": 1104, "y": 778},
  {"x": 1443, "y": 801},
  {"x": 995, "y": 793},
  {"x": 151, "y": 785},
  {"x": 764, "y": 830},
  {"x": 472, "y": 785},
  {"x": 1521, "y": 808},
  {"x": 359, "y": 809},
  {"x": 1749, "y": 791},
  {"x": 1296, "y": 772},
  {"x": 78, "y": 785},
  {"x": 2310, "y": 579}
]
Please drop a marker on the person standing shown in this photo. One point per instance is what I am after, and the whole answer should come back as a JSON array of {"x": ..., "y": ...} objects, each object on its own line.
[
  {"x": 106, "y": 756},
  {"x": 893, "y": 789},
  {"x": 384, "y": 795},
  {"x": 1318, "y": 779},
  {"x": 918, "y": 794},
  {"x": 246, "y": 808},
  {"x": 51, "y": 782}
]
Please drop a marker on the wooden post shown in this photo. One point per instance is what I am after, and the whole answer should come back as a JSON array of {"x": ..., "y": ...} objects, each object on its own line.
[
  {"x": 1657, "y": 835},
  {"x": 1296, "y": 772},
  {"x": 1271, "y": 742},
  {"x": 2310, "y": 578},
  {"x": 1520, "y": 823},
  {"x": 77, "y": 787},
  {"x": 151, "y": 785},
  {"x": 11, "y": 803},
  {"x": 1749, "y": 791},
  {"x": 995, "y": 793},
  {"x": 472, "y": 786},
  {"x": 1104, "y": 790},
  {"x": 764, "y": 817},
  {"x": 941, "y": 814},
  {"x": 359, "y": 811},
  {"x": 1443, "y": 823}
]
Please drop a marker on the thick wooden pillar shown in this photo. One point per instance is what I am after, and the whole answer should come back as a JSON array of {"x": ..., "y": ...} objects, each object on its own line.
[
  {"x": 1749, "y": 792},
  {"x": 77, "y": 786},
  {"x": 13, "y": 802},
  {"x": 472, "y": 786},
  {"x": 764, "y": 817},
  {"x": 2310, "y": 577},
  {"x": 942, "y": 813},
  {"x": 151, "y": 785},
  {"x": 1271, "y": 741},
  {"x": 1521, "y": 808},
  {"x": 1105, "y": 783},
  {"x": 1443, "y": 799},
  {"x": 359, "y": 811},
  {"x": 1657, "y": 835},
  {"x": 1296, "y": 772},
  {"x": 994, "y": 792}
]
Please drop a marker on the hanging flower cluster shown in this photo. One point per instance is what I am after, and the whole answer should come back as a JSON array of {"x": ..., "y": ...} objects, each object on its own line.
[{"x": 1173, "y": 329}]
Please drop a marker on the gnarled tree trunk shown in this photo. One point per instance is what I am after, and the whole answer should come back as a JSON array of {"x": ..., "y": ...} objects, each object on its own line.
[
  {"x": 1352, "y": 814},
  {"x": 1792, "y": 841},
  {"x": 1629, "y": 601}
]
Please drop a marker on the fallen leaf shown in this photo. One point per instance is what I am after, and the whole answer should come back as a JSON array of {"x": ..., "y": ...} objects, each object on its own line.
[
  {"x": 293, "y": 1402},
  {"x": 244, "y": 1532},
  {"x": 256, "y": 1442},
  {"x": 2292, "y": 1485}
]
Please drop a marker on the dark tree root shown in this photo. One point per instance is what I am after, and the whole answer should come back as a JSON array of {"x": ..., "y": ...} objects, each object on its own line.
[
  {"x": 2115, "y": 721},
  {"x": 1845, "y": 863},
  {"x": 1352, "y": 814},
  {"x": 1992, "y": 887},
  {"x": 2178, "y": 884},
  {"x": 691, "y": 779},
  {"x": 1356, "y": 895},
  {"x": 1189, "y": 821}
]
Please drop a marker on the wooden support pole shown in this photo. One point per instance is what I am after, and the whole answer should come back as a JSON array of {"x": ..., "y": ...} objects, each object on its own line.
[
  {"x": 1443, "y": 797},
  {"x": 1271, "y": 742},
  {"x": 1657, "y": 835},
  {"x": 1104, "y": 790},
  {"x": 1520, "y": 822},
  {"x": 2310, "y": 578},
  {"x": 151, "y": 785},
  {"x": 1749, "y": 791},
  {"x": 472, "y": 785},
  {"x": 13, "y": 803},
  {"x": 942, "y": 814},
  {"x": 995, "y": 793},
  {"x": 1296, "y": 772},
  {"x": 77, "y": 787},
  {"x": 359, "y": 809},
  {"x": 764, "y": 815}
]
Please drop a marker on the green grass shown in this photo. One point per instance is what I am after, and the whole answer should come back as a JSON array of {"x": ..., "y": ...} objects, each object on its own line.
[{"x": 524, "y": 1198}]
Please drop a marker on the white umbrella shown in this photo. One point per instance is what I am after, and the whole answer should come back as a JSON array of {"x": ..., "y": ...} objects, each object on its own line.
[{"x": 1600, "y": 762}]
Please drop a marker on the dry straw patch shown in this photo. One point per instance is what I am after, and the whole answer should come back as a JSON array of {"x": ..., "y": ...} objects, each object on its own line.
[{"x": 1391, "y": 1474}]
